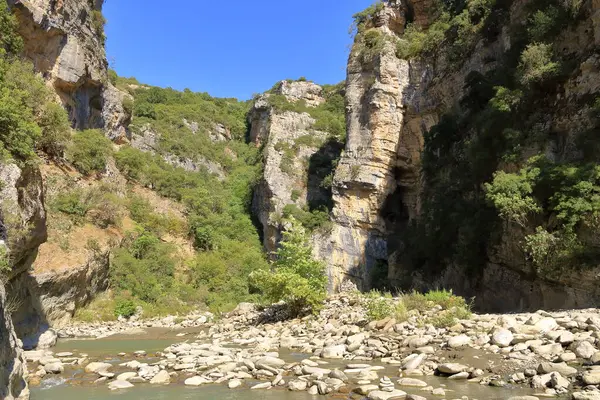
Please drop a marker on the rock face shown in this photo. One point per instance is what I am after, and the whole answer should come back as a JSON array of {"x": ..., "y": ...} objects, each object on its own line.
[
  {"x": 378, "y": 187},
  {"x": 291, "y": 150},
  {"x": 376, "y": 182},
  {"x": 13, "y": 369},
  {"x": 65, "y": 41},
  {"x": 22, "y": 230}
]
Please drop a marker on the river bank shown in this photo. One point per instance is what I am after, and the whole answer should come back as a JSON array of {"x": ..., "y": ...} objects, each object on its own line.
[{"x": 337, "y": 353}]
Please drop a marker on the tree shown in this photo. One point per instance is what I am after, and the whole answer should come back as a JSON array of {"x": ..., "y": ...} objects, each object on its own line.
[{"x": 297, "y": 278}]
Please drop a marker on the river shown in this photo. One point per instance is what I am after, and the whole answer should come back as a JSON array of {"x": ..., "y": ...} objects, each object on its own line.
[{"x": 74, "y": 384}]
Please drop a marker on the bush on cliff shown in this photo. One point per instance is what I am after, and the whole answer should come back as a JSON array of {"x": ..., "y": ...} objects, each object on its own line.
[
  {"x": 297, "y": 277},
  {"x": 89, "y": 151}
]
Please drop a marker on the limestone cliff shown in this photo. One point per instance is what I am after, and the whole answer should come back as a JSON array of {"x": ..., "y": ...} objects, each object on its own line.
[
  {"x": 294, "y": 153},
  {"x": 65, "y": 41},
  {"x": 384, "y": 130},
  {"x": 385, "y": 199},
  {"x": 12, "y": 366}
]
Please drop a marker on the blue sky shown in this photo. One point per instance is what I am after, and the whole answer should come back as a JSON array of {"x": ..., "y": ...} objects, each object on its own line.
[{"x": 229, "y": 48}]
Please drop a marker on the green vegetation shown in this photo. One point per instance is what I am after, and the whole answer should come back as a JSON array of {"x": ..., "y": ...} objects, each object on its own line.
[
  {"x": 99, "y": 205},
  {"x": 10, "y": 41},
  {"x": 379, "y": 306},
  {"x": 30, "y": 118},
  {"x": 297, "y": 278},
  {"x": 5, "y": 264},
  {"x": 450, "y": 307},
  {"x": 478, "y": 183},
  {"x": 316, "y": 219},
  {"x": 89, "y": 151},
  {"x": 125, "y": 308},
  {"x": 98, "y": 22},
  {"x": 536, "y": 63},
  {"x": 362, "y": 19},
  {"x": 330, "y": 116},
  {"x": 218, "y": 222}
]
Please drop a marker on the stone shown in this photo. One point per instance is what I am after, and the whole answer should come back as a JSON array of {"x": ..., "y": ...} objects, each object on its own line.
[
  {"x": 546, "y": 325},
  {"x": 413, "y": 361},
  {"x": 541, "y": 381},
  {"x": 562, "y": 368},
  {"x": 502, "y": 337},
  {"x": 557, "y": 381},
  {"x": 266, "y": 385},
  {"x": 96, "y": 367},
  {"x": 451, "y": 368},
  {"x": 438, "y": 392},
  {"x": 566, "y": 338},
  {"x": 383, "y": 395},
  {"x": 523, "y": 398},
  {"x": 47, "y": 339},
  {"x": 459, "y": 376},
  {"x": 591, "y": 377},
  {"x": 365, "y": 389},
  {"x": 297, "y": 385},
  {"x": 411, "y": 382},
  {"x": 196, "y": 381},
  {"x": 162, "y": 378},
  {"x": 415, "y": 397},
  {"x": 458, "y": 341},
  {"x": 115, "y": 385},
  {"x": 583, "y": 349},
  {"x": 586, "y": 396},
  {"x": 333, "y": 352},
  {"x": 234, "y": 383},
  {"x": 54, "y": 368},
  {"x": 269, "y": 362},
  {"x": 126, "y": 376}
]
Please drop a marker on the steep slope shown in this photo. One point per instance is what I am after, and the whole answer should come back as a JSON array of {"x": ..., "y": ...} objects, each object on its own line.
[
  {"x": 439, "y": 102},
  {"x": 298, "y": 155},
  {"x": 65, "y": 41},
  {"x": 384, "y": 140}
]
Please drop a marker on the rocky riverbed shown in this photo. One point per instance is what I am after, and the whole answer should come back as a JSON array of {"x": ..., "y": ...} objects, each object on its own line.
[{"x": 339, "y": 354}]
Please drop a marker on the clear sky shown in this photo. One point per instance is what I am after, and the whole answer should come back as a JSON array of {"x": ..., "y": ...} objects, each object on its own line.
[{"x": 229, "y": 48}]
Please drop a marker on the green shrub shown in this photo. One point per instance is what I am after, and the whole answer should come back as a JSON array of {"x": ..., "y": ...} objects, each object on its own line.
[
  {"x": 5, "y": 263},
  {"x": 76, "y": 203},
  {"x": 144, "y": 268},
  {"x": 56, "y": 130},
  {"x": 379, "y": 306},
  {"x": 107, "y": 210},
  {"x": 297, "y": 278},
  {"x": 125, "y": 308},
  {"x": 537, "y": 63},
  {"x": 542, "y": 23},
  {"x": 98, "y": 22},
  {"x": 89, "y": 151},
  {"x": 113, "y": 77},
  {"x": 363, "y": 18},
  {"x": 10, "y": 40},
  {"x": 511, "y": 195},
  {"x": 446, "y": 299}
]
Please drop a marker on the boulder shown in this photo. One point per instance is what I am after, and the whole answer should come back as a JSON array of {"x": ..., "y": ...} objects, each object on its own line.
[
  {"x": 411, "y": 382},
  {"x": 591, "y": 377},
  {"x": 458, "y": 341},
  {"x": 383, "y": 395},
  {"x": 162, "y": 378},
  {"x": 562, "y": 368},
  {"x": 115, "y": 385},
  {"x": 583, "y": 349},
  {"x": 451, "y": 368},
  {"x": 333, "y": 352},
  {"x": 502, "y": 337},
  {"x": 96, "y": 367}
]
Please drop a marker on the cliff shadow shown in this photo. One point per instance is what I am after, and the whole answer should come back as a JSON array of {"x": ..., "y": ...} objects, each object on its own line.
[
  {"x": 321, "y": 167},
  {"x": 25, "y": 306}
]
